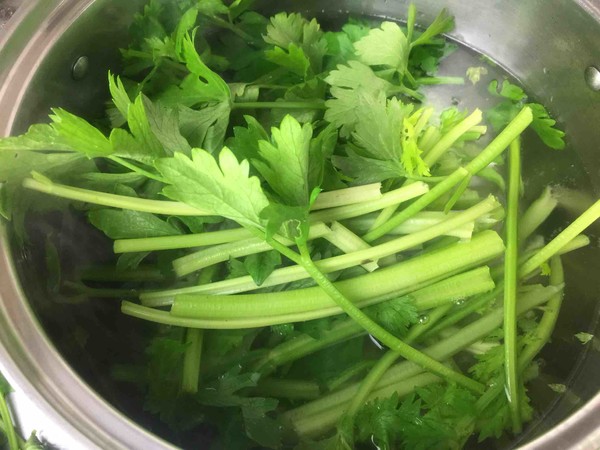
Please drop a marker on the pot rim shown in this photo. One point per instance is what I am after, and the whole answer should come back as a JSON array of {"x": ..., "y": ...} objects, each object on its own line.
[{"x": 39, "y": 371}]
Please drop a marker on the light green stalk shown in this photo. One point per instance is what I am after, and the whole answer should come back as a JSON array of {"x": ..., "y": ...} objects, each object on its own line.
[
  {"x": 293, "y": 273},
  {"x": 511, "y": 280},
  {"x": 536, "y": 214},
  {"x": 422, "y": 220},
  {"x": 44, "y": 185},
  {"x": 365, "y": 290},
  {"x": 394, "y": 197},
  {"x": 224, "y": 252},
  {"x": 320, "y": 415},
  {"x": 378, "y": 332},
  {"x": 348, "y": 242},
  {"x": 563, "y": 238},
  {"x": 191, "y": 360},
  {"x": 347, "y": 196},
  {"x": 546, "y": 325},
  {"x": 11, "y": 434},
  {"x": 443, "y": 293},
  {"x": 433, "y": 154},
  {"x": 487, "y": 156}
]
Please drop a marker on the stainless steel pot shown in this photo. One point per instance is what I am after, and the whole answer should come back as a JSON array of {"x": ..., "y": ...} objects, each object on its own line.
[{"x": 56, "y": 52}]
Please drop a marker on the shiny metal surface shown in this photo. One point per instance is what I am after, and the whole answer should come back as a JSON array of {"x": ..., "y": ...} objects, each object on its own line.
[{"x": 546, "y": 44}]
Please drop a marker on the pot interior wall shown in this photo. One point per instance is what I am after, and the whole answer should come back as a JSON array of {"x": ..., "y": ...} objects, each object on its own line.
[{"x": 546, "y": 44}]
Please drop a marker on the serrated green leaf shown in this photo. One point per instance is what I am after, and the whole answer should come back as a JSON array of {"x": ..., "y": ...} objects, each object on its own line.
[
  {"x": 285, "y": 163},
  {"x": 384, "y": 46},
  {"x": 302, "y": 40},
  {"x": 285, "y": 29},
  {"x": 78, "y": 134},
  {"x": 352, "y": 87},
  {"x": 224, "y": 187},
  {"x": 120, "y": 97},
  {"x": 292, "y": 58},
  {"x": 395, "y": 315},
  {"x": 244, "y": 142},
  {"x": 543, "y": 125},
  {"x": 384, "y": 132},
  {"x": 205, "y": 128},
  {"x": 140, "y": 128},
  {"x": 201, "y": 86}
]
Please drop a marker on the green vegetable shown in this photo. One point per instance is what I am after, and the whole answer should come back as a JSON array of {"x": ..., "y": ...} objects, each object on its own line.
[
  {"x": 584, "y": 338},
  {"x": 511, "y": 258},
  {"x": 285, "y": 203}
]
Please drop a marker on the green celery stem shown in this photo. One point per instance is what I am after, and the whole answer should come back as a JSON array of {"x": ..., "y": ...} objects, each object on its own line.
[
  {"x": 113, "y": 200},
  {"x": 380, "y": 333},
  {"x": 293, "y": 273},
  {"x": 371, "y": 380},
  {"x": 564, "y": 237},
  {"x": 547, "y": 323},
  {"x": 448, "y": 290},
  {"x": 364, "y": 290},
  {"x": 451, "y": 137},
  {"x": 511, "y": 280},
  {"x": 289, "y": 389},
  {"x": 191, "y": 360},
  {"x": 536, "y": 214},
  {"x": 487, "y": 156},
  {"x": 11, "y": 434},
  {"x": 323, "y": 413}
]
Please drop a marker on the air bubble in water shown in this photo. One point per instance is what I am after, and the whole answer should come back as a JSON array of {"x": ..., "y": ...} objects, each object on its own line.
[{"x": 423, "y": 319}]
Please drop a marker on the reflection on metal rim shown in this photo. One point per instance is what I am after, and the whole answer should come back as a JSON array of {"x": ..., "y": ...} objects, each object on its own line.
[{"x": 30, "y": 359}]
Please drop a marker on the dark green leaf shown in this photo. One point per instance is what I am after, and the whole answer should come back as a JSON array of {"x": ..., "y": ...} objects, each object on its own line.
[
  {"x": 212, "y": 7},
  {"x": 260, "y": 265},
  {"x": 543, "y": 125},
  {"x": 16, "y": 165},
  {"x": 127, "y": 224},
  {"x": 300, "y": 38},
  {"x": 321, "y": 151},
  {"x": 287, "y": 221},
  {"x": 244, "y": 144},
  {"x": 206, "y": 127},
  {"x": 363, "y": 170},
  {"x": 131, "y": 261},
  {"x": 395, "y": 315},
  {"x": 292, "y": 58}
]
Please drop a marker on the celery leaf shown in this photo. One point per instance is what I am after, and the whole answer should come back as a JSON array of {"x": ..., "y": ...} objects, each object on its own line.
[
  {"x": 384, "y": 46},
  {"x": 224, "y": 187}
]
